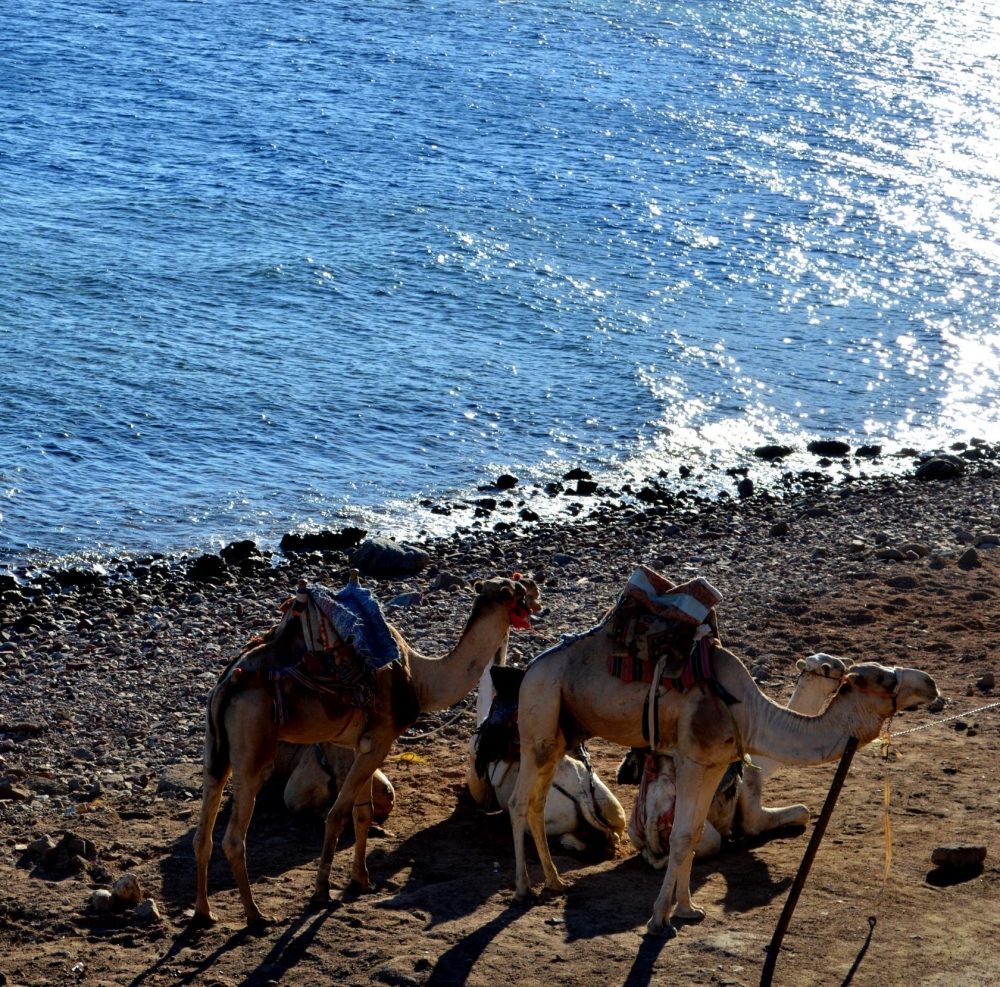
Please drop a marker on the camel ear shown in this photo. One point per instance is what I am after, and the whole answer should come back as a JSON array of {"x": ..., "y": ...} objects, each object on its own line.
[
  {"x": 519, "y": 591},
  {"x": 848, "y": 662},
  {"x": 801, "y": 664},
  {"x": 478, "y": 586},
  {"x": 507, "y": 592},
  {"x": 853, "y": 678}
]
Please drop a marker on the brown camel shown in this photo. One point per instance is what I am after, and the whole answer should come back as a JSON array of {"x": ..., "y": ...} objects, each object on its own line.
[
  {"x": 241, "y": 736},
  {"x": 569, "y": 696}
]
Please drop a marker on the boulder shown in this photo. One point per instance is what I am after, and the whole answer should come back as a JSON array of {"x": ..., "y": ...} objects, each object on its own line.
[
  {"x": 771, "y": 452},
  {"x": 148, "y": 911},
  {"x": 745, "y": 488},
  {"x": 778, "y": 529},
  {"x": 323, "y": 541},
  {"x": 207, "y": 568},
  {"x": 382, "y": 558},
  {"x": 958, "y": 855},
  {"x": 941, "y": 467},
  {"x": 505, "y": 482},
  {"x": 829, "y": 447}
]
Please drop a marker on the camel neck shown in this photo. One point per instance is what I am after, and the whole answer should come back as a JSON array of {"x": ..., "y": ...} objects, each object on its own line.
[{"x": 442, "y": 682}]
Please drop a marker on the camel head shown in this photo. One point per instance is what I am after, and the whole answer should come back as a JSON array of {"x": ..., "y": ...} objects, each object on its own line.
[
  {"x": 824, "y": 665},
  {"x": 900, "y": 687},
  {"x": 519, "y": 595}
]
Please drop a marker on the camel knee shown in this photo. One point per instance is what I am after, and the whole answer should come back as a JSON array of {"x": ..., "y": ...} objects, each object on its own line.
[{"x": 544, "y": 751}]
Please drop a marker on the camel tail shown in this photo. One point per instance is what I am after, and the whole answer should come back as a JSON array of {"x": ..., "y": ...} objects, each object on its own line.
[{"x": 216, "y": 736}]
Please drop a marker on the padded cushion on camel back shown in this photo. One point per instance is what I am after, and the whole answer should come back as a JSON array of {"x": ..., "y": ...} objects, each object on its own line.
[
  {"x": 497, "y": 737},
  {"x": 507, "y": 680}
]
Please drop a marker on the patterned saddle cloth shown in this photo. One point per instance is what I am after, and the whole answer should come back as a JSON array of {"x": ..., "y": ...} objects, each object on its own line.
[
  {"x": 347, "y": 640},
  {"x": 655, "y": 619}
]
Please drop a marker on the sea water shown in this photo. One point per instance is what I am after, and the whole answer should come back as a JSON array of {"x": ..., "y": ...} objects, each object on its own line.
[{"x": 270, "y": 266}]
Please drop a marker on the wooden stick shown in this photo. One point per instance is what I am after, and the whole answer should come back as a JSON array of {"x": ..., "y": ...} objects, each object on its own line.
[{"x": 800, "y": 878}]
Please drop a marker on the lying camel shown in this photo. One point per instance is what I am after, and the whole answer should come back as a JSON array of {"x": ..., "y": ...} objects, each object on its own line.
[
  {"x": 568, "y": 696},
  {"x": 312, "y": 775},
  {"x": 241, "y": 735},
  {"x": 737, "y": 798},
  {"x": 579, "y": 805}
]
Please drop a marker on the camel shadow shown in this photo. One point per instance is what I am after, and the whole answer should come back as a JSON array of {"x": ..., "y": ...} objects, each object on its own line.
[
  {"x": 633, "y": 886},
  {"x": 278, "y": 841}
]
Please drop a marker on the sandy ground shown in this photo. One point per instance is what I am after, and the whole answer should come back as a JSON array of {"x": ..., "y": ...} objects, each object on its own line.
[{"x": 443, "y": 909}]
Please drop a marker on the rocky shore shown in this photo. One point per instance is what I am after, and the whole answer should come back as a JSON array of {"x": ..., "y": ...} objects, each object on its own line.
[{"x": 105, "y": 673}]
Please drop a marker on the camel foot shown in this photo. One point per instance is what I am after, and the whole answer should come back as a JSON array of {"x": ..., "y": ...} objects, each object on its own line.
[
  {"x": 527, "y": 897},
  {"x": 356, "y": 887},
  {"x": 558, "y": 885},
  {"x": 657, "y": 927},
  {"x": 320, "y": 900},
  {"x": 202, "y": 920},
  {"x": 259, "y": 922},
  {"x": 690, "y": 913}
]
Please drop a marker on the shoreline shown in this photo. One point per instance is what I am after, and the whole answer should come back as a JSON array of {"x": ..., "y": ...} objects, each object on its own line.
[{"x": 561, "y": 500}]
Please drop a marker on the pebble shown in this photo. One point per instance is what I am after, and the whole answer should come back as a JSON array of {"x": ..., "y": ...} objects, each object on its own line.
[
  {"x": 778, "y": 529},
  {"x": 102, "y": 901},
  {"x": 127, "y": 890},
  {"x": 958, "y": 855},
  {"x": 148, "y": 911},
  {"x": 986, "y": 681}
]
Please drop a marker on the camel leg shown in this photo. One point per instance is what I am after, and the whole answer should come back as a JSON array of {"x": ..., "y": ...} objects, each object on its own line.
[
  {"x": 530, "y": 792},
  {"x": 710, "y": 842},
  {"x": 211, "y": 798},
  {"x": 363, "y": 816},
  {"x": 696, "y": 787},
  {"x": 536, "y": 816},
  {"x": 358, "y": 780},
  {"x": 755, "y": 818}
]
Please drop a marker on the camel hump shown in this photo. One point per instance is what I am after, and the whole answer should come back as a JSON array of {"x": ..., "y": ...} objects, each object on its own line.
[{"x": 507, "y": 681}]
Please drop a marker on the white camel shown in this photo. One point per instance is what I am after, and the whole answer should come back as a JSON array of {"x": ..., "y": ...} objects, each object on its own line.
[
  {"x": 568, "y": 696},
  {"x": 578, "y": 804},
  {"x": 737, "y": 798},
  {"x": 312, "y": 775}
]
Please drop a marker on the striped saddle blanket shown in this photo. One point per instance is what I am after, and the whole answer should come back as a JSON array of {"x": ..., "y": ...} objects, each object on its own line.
[{"x": 654, "y": 620}]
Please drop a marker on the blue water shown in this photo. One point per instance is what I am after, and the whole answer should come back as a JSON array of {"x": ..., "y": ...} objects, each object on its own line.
[{"x": 270, "y": 266}]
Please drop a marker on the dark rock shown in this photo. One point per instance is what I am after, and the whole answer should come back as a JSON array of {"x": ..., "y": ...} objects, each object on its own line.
[
  {"x": 829, "y": 447},
  {"x": 970, "y": 559},
  {"x": 773, "y": 452},
  {"x": 527, "y": 514},
  {"x": 207, "y": 568},
  {"x": 8, "y": 582},
  {"x": 958, "y": 855},
  {"x": 238, "y": 552},
  {"x": 943, "y": 467},
  {"x": 381, "y": 558},
  {"x": 445, "y": 580},
  {"x": 8, "y": 790},
  {"x": 487, "y": 503},
  {"x": 553, "y": 488},
  {"x": 586, "y": 488},
  {"x": 406, "y": 600},
  {"x": 745, "y": 488},
  {"x": 505, "y": 482},
  {"x": 81, "y": 575},
  {"x": 562, "y": 559},
  {"x": 903, "y": 582},
  {"x": 868, "y": 452},
  {"x": 577, "y": 474},
  {"x": 987, "y": 681},
  {"x": 778, "y": 529},
  {"x": 322, "y": 541}
]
